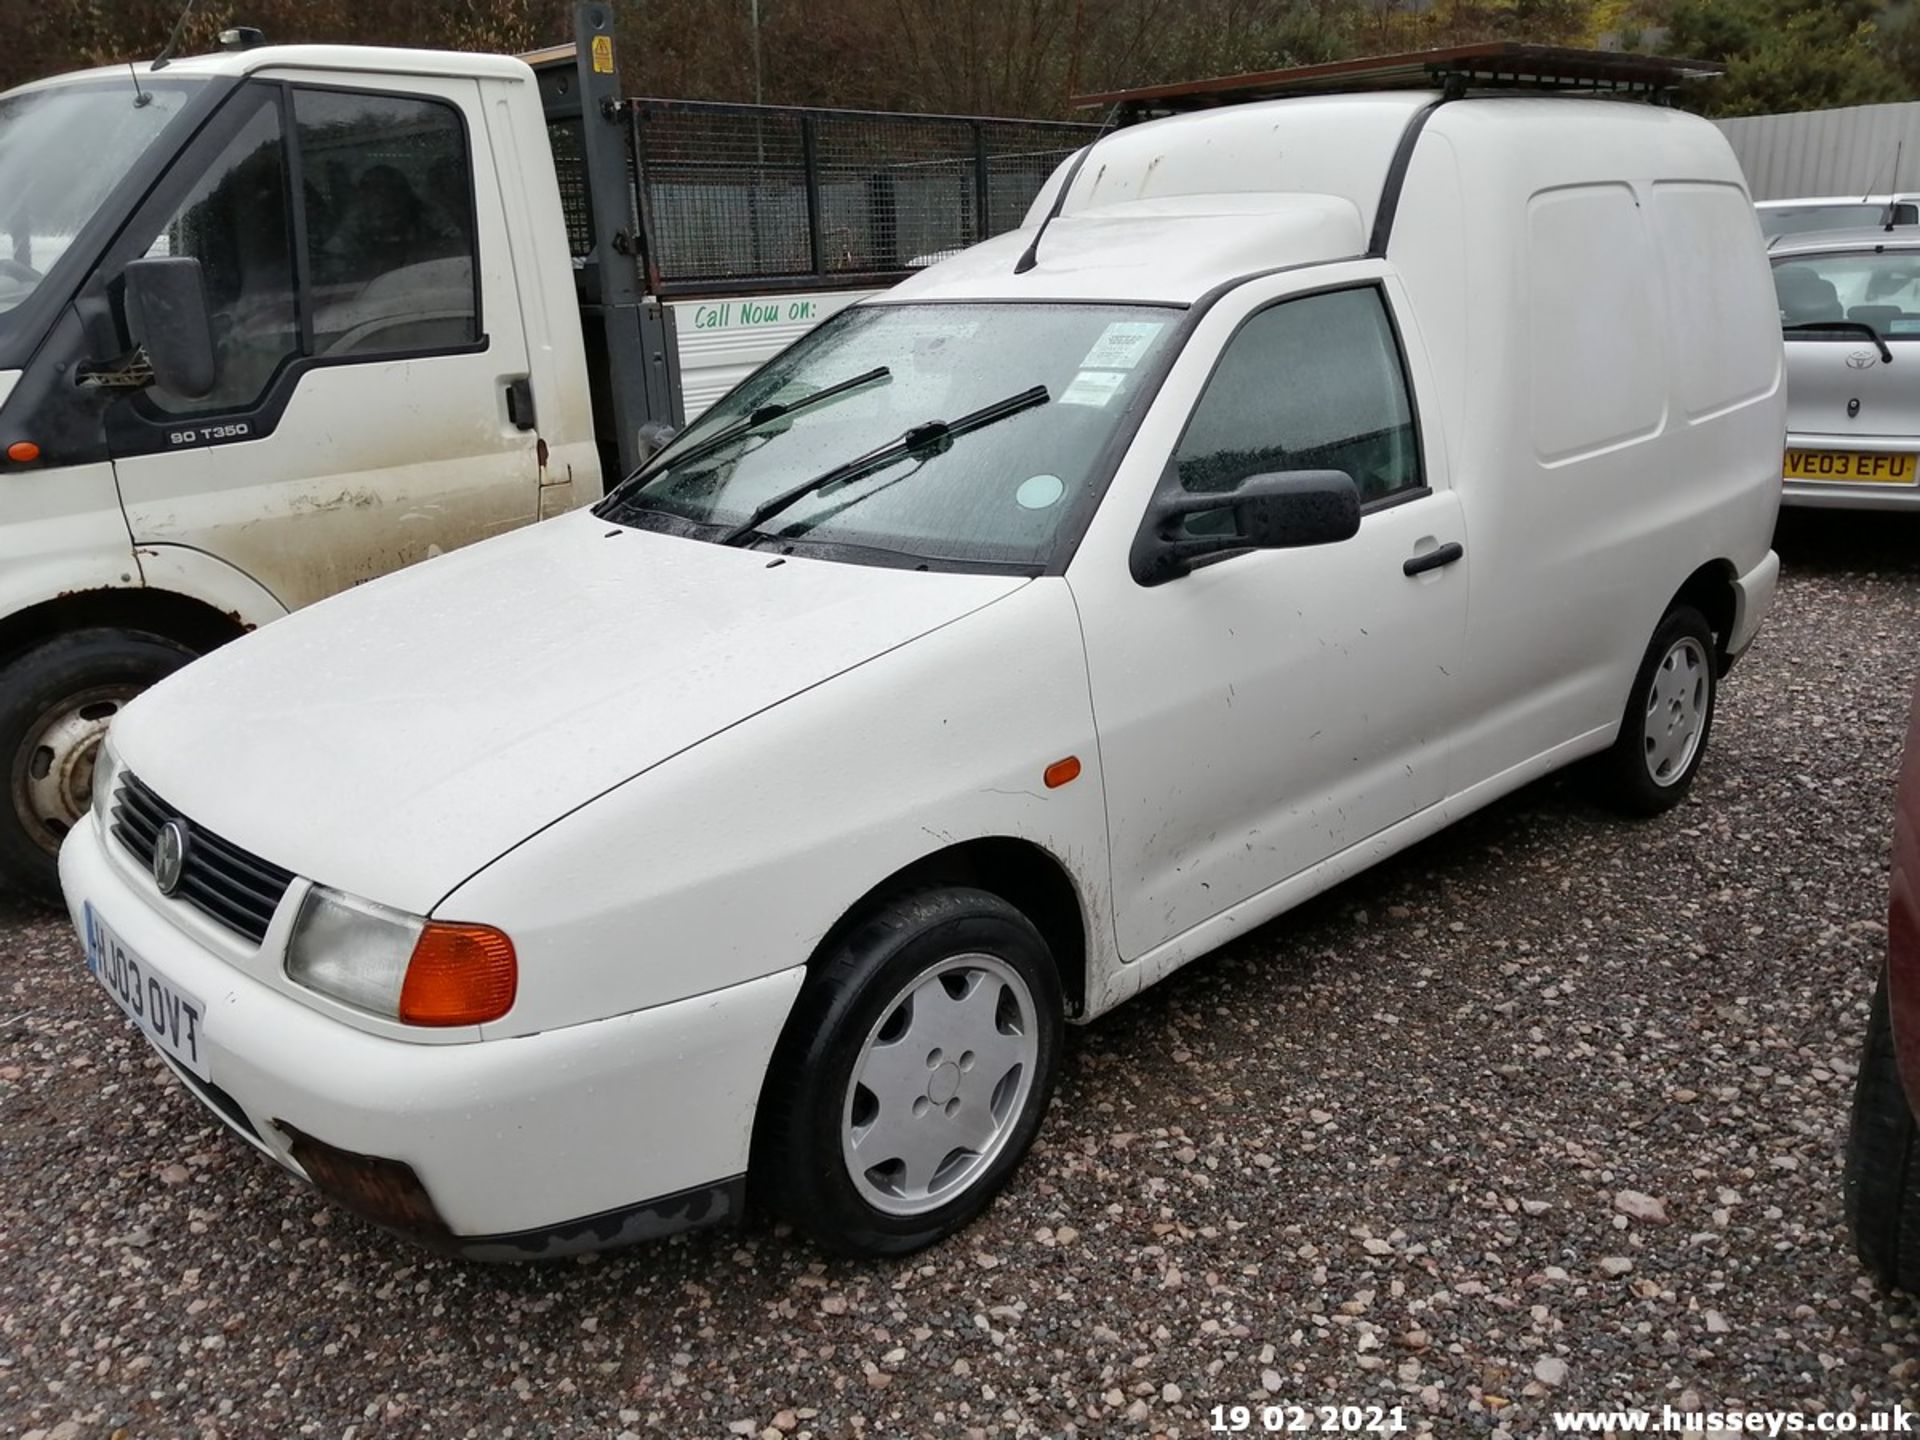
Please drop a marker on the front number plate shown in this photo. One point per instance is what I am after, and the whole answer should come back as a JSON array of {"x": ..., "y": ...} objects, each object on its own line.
[
  {"x": 173, "y": 1020},
  {"x": 1850, "y": 467}
]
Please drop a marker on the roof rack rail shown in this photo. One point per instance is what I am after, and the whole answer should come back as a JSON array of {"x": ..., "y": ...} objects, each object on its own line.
[{"x": 1502, "y": 65}]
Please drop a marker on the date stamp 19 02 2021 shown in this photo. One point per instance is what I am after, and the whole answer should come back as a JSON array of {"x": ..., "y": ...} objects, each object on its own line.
[{"x": 1308, "y": 1419}]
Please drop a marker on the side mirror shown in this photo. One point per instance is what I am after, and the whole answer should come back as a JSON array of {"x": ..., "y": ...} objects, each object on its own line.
[
  {"x": 1268, "y": 512},
  {"x": 168, "y": 317},
  {"x": 650, "y": 439}
]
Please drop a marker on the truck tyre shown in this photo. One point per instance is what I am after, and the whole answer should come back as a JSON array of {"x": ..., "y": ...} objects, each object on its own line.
[
  {"x": 56, "y": 701},
  {"x": 912, "y": 1075},
  {"x": 1882, "y": 1180},
  {"x": 1669, "y": 717}
]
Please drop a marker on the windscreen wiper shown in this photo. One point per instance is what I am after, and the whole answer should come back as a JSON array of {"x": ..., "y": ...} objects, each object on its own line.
[
  {"x": 766, "y": 415},
  {"x": 928, "y": 439},
  {"x": 1858, "y": 327}
]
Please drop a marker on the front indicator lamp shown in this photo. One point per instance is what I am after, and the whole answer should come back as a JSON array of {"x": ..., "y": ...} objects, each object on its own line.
[{"x": 398, "y": 965}]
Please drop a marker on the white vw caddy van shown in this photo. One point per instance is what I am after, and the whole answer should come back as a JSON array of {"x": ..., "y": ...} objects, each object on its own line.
[{"x": 1328, "y": 467}]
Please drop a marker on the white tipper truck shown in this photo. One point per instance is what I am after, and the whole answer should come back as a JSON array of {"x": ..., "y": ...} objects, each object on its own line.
[{"x": 280, "y": 319}]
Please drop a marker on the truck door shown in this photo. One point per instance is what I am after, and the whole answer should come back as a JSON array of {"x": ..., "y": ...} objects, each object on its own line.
[
  {"x": 1296, "y": 702},
  {"x": 370, "y": 406}
]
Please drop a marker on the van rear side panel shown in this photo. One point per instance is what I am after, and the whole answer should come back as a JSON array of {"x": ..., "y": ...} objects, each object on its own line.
[{"x": 1614, "y": 395}]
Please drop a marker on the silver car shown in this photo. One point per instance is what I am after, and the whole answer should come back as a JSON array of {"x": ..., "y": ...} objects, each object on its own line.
[
  {"x": 1835, "y": 212},
  {"x": 1850, "y": 311}
]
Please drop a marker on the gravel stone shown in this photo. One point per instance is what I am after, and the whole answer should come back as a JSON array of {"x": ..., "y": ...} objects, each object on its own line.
[{"x": 1544, "y": 1007}]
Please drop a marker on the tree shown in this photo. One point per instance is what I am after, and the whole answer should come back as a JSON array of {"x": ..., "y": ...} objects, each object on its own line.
[{"x": 1783, "y": 56}]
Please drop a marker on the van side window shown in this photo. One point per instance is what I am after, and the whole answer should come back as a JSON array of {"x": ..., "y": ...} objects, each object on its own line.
[
  {"x": 235, "y": 223},
  {"x": 1310, "y": 384},
  {"x": 390, "y": 222}
]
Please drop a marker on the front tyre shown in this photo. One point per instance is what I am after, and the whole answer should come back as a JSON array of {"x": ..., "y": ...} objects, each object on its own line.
[
  {"x": 913, "y": 1074},
  {"x": 56, "y": 702},
  {"x": 1669, "y": 715}
]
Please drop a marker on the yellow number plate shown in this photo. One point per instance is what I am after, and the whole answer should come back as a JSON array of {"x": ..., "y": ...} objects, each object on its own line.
[{"x": 1853, "y": 467}]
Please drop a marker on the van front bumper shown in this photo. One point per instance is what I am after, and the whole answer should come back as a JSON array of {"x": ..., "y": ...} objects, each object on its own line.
[{"x": 540, "y": 1145}]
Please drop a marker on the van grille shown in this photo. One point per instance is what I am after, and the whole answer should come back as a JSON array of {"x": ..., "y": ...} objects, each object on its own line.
[{"x": 218, "y": 878}]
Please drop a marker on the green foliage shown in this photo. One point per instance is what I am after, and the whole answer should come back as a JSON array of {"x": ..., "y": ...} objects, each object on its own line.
[{"x": 1783, "y": 56}]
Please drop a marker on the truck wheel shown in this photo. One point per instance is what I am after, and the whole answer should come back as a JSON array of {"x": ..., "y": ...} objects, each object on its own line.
[
  {"x": 912, "y": 1074},
  {"x": 56, "y": 702},
  {"x": 1663, "y": 735},
  {"x": 1883, "y": 1160}
]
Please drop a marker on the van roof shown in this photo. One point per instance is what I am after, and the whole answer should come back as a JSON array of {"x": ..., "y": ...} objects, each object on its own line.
[{"x": 1172, "y": 208}]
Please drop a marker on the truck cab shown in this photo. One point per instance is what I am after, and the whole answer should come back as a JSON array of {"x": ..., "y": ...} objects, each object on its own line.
[{"x": 272, "y": 323}]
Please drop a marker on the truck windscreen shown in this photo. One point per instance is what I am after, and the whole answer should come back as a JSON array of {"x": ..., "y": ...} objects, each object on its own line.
[{"x": 63, "y": 149}]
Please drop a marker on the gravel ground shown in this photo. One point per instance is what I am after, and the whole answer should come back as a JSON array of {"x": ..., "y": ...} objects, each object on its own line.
[{"x": 1375, "y": 1153}]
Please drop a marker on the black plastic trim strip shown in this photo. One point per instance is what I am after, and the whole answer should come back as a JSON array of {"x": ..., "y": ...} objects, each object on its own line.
[
  {"x": 1398, "y": 497},
  {"x": 215, "y": 1099},
  {"x": 1389, "y": 206}
]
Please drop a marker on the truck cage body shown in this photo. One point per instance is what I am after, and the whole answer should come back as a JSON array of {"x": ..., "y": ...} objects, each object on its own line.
[{"x": 679, "y": 199}]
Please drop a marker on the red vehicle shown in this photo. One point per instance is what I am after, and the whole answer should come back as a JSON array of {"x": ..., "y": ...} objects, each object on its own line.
[{"x": 1883, "y": 1152}]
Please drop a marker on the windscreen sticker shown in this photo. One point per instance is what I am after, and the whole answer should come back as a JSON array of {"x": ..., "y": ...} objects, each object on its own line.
[
  {"x": 1093, "y": 387},
  {"x": 1121, "y": 344}
]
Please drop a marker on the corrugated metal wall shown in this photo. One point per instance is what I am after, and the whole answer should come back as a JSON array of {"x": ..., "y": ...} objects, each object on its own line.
[{"x": 1850, "y": 151}]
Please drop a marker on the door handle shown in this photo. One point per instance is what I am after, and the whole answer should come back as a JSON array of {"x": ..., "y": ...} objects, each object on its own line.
[
  {"x": 520, "y": 403},
  {"x": 1433, "y": 559}
]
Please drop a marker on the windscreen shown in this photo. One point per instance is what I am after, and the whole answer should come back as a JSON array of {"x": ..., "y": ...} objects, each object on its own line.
[
  {"x": 63, "y": 148},
  {"x": 1877, "y": 288},
  {"x": 984, "y": 427}
]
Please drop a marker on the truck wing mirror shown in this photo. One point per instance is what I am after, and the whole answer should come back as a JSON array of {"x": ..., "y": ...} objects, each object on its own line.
[
  {"x": 651, "y": 439},
  {"x": 1265, "y": 512},
  {"x": 168, "y": 317}
]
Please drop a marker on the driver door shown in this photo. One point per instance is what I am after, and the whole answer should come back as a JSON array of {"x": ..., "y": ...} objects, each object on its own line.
[
  {"x": 1271, "y": 709},
  {"x": 360, "y": 417}
]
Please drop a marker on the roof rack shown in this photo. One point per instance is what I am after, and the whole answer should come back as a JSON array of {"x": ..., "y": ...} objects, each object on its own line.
[{"x": 1506, "y": 65}]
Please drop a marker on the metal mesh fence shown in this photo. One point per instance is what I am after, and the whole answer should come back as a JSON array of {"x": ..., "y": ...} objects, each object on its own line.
[
  {"x": 570, "y": 164},
  {"x": 743, "y": 193}
]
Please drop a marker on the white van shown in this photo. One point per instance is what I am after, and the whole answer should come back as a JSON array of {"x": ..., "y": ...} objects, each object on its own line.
[{"x": 1325, "y": 469}]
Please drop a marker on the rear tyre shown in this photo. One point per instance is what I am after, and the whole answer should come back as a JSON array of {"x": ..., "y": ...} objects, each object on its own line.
[
  {"x": 912, "y": 1075},
  {"x": 1883, "y": 1160},
  {"x": 1669, "y": 717},
  {"x": 56, "y": 702}
]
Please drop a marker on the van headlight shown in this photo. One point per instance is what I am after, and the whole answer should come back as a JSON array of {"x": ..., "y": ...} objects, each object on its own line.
[{"x": 401, "y": 966}]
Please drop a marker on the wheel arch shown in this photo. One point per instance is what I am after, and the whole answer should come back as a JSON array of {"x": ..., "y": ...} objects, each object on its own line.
[
  {"x": 1710, "y": 590},
  {"x": 1024, "y": 874},
  {"x": 181, "y": 618}
]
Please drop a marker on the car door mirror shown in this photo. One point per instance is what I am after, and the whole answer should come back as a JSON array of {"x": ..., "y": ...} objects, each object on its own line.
[
  {"x": 1280, "y": 511},
  {"x": 168, "y": 318}
]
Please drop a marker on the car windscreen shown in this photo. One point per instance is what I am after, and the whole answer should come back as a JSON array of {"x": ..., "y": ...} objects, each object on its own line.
[
  {"x": 966, "y": 435},
  {"x": 1877, "y": 288},
  {"x": 63, "y": 148},
  {"x": 1805, "y": 219}
]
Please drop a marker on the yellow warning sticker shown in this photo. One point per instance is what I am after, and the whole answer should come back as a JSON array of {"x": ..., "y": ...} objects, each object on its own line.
[{"x": 603, "y": 55}]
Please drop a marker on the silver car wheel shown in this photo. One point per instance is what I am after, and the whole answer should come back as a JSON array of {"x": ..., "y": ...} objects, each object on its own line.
[
  {"x": 53, "y": 779},
  {"x": 939, "y": 1084},
  {"x": 1676, "y": 711}
]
